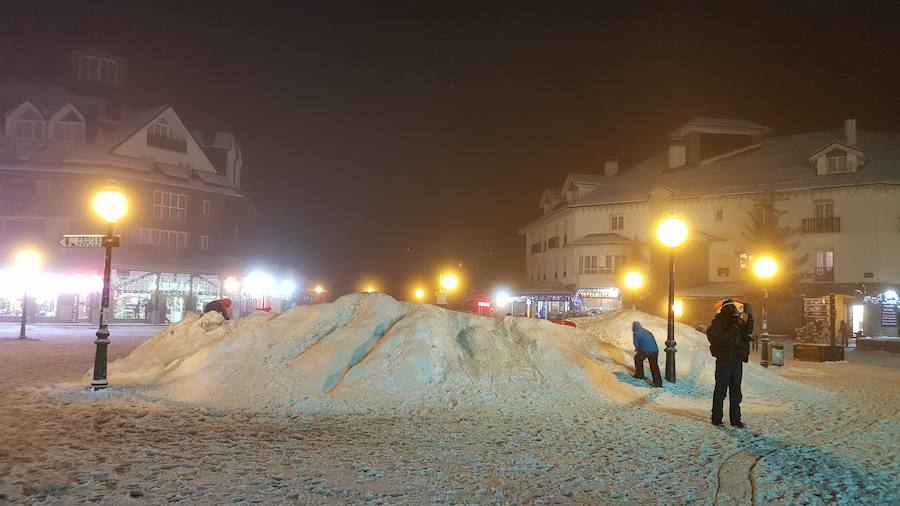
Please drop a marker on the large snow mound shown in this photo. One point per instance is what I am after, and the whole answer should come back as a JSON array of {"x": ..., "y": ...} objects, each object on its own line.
[{"x": 368, "y": 352}]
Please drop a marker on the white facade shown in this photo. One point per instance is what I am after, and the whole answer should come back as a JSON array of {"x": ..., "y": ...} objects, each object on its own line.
[{"x": 840, "y": 189}]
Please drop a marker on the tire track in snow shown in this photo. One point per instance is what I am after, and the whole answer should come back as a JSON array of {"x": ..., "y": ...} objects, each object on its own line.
[{"x": 737, "y": 471}]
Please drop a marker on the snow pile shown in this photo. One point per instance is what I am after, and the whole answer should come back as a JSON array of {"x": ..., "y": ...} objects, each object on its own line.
[
  {"x": 695, "y": 366},
  {"x": 369, "y": 351}
]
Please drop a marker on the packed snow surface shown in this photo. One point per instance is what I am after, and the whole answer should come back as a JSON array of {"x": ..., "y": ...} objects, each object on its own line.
[{"x": 370, "y": 352}]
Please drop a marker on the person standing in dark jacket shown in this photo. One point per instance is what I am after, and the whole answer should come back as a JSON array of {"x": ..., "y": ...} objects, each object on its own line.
[
  {"x": 729, "y": 341},
  {"x": 645, "y": 348}
]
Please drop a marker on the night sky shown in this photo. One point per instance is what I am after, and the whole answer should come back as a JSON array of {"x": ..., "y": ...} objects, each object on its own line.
[{"x": 388, "y": 138}]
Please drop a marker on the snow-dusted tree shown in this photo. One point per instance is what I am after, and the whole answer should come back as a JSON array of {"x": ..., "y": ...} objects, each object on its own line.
[{"x": 766, "y": 235}]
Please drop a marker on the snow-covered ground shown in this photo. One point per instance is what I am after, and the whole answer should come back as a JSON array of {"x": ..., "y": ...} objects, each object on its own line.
[{"x": 372, "y": 400}]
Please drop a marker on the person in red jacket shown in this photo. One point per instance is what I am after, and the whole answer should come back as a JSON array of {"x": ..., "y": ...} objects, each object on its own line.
[{"x": 223, "y": 306}]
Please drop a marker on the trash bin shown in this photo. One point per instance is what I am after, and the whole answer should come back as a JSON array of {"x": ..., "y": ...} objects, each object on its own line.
[
  {"x": 764, "y": 351},
  {"x": 778, "y": 354}
]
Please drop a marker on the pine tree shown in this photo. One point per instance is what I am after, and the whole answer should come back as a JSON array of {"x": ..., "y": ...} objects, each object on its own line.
[{"x": 766, "y": 235}]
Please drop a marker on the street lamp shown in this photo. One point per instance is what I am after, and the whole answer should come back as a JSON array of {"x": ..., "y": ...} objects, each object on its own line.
[
  {"x": 671, "y": 232},
  {"x": 447, "y": 282},
  {"x": 28, "y": 263},
  {"x": 420, "y": 294},
  {"x": 765, "y": 267},
  {"x": 110, "y": 205},
  {"x": 634, "y": 280}
]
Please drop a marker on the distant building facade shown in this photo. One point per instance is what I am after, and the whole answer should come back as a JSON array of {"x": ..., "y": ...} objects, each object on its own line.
[
  {"x": 839, "y": 189},
  {"x": 60, "y": 144}
]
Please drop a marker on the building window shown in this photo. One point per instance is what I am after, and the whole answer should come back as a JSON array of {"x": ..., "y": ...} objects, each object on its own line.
[
  {"x": 837, "y": 161},
  {"x": 162, "y": 128},
  {"x": 617, "y": 222},
  {"x": 27, "y": 129},
  {"x": 718, "y": 214},
  {"x": 167, "y": 242},
  {"x": 205, "y": 207},
  {"x": 613, "y": 264},
  {"x": 824, "y": 266},
  {"x": 555, "y": 268},
  {"x": 553, "y": 242},
  {"x": 824, "y": 208},
  {"x": 588, "y": 265},
  {"x": 723, "y": 272},
  {"x": 565, "y": 267},
  {"x": 170, "y": 206},
  {"x": 91, "y": 68},
  {"x": 204, "y": 243}
]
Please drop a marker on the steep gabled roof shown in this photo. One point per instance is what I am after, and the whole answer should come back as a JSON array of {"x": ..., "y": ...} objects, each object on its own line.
[{"x": 706, "y": 124}]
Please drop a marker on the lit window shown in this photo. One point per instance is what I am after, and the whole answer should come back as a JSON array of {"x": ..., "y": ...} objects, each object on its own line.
[
  {"x": 205, "y": 207},
  {"x": 168, "y": 242},
  {"x": 588, "y": 264},
  {"x": 170, "y": 206}
]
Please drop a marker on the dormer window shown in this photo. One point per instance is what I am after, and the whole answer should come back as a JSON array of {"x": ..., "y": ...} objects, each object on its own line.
[
  {"x": 30, "y": 125},
  {"x": 68, "y": 129},
  {"x": 93, "y": 68},
  {"x": 162, "y": 128},
  {"x": 162, "y": 135},
  {"x": 837, "y": 161}
]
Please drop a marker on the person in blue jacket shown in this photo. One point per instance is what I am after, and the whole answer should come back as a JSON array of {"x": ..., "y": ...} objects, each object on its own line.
[{"x": 645, "y": 348}]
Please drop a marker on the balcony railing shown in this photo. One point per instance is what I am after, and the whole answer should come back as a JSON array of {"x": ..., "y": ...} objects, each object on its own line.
[
  {"x": 162, "y": 142},
  {"x": 821, "y": 225},
  {"x": 824, "y": 273}
]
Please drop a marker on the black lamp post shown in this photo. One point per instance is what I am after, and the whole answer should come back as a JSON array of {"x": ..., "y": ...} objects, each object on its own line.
[
  {"x": 28, "y": 262},
  {"x": 110, "y": 205},
  {"x": 671, "y": 232}
]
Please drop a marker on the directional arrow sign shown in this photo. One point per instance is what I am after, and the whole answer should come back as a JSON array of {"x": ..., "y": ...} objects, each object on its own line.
[{"x": 89, "y": 241}]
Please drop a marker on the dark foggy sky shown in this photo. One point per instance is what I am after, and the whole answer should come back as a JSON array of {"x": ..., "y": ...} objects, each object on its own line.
[{"x": 373, "y": 127}]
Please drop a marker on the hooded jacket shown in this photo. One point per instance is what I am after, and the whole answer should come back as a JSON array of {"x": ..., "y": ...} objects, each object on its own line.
[
  {"x": 643, "y": 339},
  {"x": 729, "y": 337}
]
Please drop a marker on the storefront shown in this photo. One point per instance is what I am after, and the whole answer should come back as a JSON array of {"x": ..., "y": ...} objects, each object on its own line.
[
  {"x": 599, "y": 299},
  {"x": 160, "y": 297},
  {"x": 51, "y": 297}
]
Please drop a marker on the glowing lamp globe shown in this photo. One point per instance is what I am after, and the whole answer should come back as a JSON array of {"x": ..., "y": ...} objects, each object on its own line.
[
  {"x": 28, "y": 261},
  {"x": 420, "y": 294},
  {"x": 110, "y": 205},
  {"x": 231, "y": 285},
  {"x": 318, "y": 289},
  {"x": 370, "y": 289},
  {"x": 672, "y": 231},
  {"x": 634, "y": 280},
  {"x": 449, "y": 282},
  {"x": 502, "y": 298},
  {"x": 678, "y": 308},
  {"x": 765, "y": 267}
]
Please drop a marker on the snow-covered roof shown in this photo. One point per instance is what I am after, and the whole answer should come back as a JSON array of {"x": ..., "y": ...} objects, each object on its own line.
[
  {"x": 606, "y": 238},
  {"x": 101, "y": 149},
  {"x": 719, "y": 125},
  {"x": 548, "y": 287},
  {"x": 779, "y": 163}
]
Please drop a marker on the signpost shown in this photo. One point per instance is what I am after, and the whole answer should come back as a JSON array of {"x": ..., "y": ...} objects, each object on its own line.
[{"x": 90, "y": 241}]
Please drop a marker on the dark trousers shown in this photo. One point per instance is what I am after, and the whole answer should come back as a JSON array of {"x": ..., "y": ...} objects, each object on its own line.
[
  {"x": 728, "y": 380},
  {"x": 639, "y": 357}
]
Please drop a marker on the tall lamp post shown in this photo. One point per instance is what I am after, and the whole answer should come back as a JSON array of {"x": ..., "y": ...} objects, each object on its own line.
[
  {"x": 634, "y": 280},
  {"x": 447, "y": 283},
  {"x": 671, "y": 232},
  {"x": 110, "y": 205},
  {"x": 28, "y": 263},
  {"x": 765, "y": 267}
]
